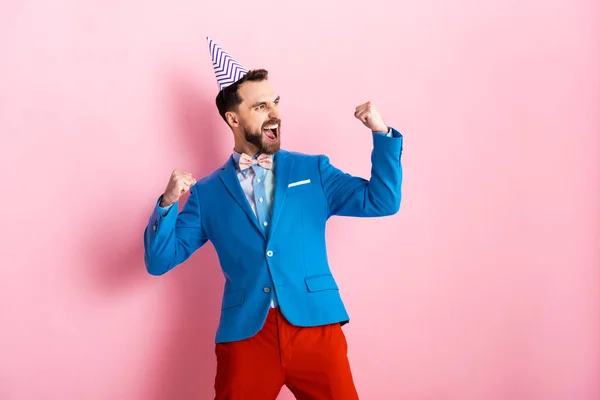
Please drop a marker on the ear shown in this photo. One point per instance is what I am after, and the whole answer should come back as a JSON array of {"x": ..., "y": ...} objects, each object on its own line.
[{"x": 232, "y": 119}]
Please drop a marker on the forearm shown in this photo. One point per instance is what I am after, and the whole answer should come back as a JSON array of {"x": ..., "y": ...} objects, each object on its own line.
[
  {"x": 383, "y": 191},
  {"x": 171, "y": 238}
]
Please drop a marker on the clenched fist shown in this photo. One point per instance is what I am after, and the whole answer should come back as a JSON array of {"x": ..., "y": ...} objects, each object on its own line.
[
  {"x": 370, "y": 117},
  {"x": 179, "y": 183}
]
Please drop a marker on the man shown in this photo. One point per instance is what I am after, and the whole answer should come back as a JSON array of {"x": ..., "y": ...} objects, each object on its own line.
[{"x": 265, "y": 212}]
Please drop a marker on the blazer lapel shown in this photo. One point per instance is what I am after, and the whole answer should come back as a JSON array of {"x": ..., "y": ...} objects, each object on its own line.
[
  {"x": 283, "y": 165},
  {"x": 229, "y": 177}
]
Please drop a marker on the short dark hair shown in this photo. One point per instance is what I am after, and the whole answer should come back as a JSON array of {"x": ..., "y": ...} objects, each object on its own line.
[{"x": 229, "y": 99}]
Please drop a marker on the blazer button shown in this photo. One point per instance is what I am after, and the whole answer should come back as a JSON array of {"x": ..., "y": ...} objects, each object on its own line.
[
  {"x": 266, "y": 289},
  {"x": 269, "y": 253},
  {"x": 155, "y": 225}
]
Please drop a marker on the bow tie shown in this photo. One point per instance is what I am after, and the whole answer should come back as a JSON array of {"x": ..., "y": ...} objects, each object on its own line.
[{"x": 264, "y": 160}]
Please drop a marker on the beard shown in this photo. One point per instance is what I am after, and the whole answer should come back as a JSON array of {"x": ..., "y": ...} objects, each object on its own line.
[{"x": 257, "y": 139}]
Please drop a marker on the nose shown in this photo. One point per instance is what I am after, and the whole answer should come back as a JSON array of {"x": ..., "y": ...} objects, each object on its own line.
[{"x": 274, "y": 112}]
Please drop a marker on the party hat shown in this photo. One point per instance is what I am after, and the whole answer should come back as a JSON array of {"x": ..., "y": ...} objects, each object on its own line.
[{"x": 227, "y": 69}]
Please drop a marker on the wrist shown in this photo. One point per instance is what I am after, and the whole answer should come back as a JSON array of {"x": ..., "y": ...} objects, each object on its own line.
[
  {"x": 382, "y": 129},
  {"x": 166, "y": 201}
]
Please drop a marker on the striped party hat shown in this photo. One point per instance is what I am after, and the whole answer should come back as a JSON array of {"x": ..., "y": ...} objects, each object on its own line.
[{"x": 227, "y": 68}]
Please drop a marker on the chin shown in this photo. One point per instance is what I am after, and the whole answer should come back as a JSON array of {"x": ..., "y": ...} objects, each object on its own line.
[
  {"x": 270, "y": 145},
  {"x": 271, "y": 148}
]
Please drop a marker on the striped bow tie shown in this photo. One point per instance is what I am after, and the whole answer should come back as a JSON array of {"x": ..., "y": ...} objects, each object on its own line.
[{"x": 264, "y": 160}]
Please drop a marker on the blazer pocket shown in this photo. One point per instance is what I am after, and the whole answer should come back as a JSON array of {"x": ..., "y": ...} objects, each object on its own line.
[
  {"x": 318, "y": 283},
  {"x": 299, "y": 186},
  {"x": 232, "y": 299}
]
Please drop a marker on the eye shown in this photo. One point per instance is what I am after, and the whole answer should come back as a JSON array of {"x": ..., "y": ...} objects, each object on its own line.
[{"x": 260, "y": 107}]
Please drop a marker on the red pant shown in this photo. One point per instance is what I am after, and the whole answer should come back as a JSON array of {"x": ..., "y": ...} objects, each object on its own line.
[{"x": 311, "y": 362}]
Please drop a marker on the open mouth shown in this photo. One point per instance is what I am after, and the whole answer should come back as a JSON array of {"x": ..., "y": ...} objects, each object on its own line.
[{"x": 271, "y": 132}]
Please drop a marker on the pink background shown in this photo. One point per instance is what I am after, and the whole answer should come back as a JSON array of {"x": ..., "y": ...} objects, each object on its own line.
[{"x": 485, "y": 286}]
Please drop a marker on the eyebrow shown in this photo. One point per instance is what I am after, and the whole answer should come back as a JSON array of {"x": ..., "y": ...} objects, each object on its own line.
[{"x": 259, "y": 103}]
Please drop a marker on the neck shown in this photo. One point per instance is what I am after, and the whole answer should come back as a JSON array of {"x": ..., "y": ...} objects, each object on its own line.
[
  {"x": 241, "y": 145},
  {"x": 245, "y": 147}
]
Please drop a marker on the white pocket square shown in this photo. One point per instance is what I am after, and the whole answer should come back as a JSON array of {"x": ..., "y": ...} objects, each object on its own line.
[{"x": 304, "y": 182}]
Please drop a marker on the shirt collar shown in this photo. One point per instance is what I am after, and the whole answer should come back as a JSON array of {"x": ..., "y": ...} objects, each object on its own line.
[{"x": 236, "y": 157}]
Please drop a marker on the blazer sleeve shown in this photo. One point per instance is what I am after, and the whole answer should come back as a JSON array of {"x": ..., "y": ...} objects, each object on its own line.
[
  {"x": 358, "y": 197},
  {"x": 171, "y": 238}
]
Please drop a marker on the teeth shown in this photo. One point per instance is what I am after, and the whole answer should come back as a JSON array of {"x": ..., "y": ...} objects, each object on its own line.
[{"x": 271, "y": 127}]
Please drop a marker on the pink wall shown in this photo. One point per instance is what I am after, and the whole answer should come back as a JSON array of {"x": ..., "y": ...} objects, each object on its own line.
[{"x": 487, "y": 281}]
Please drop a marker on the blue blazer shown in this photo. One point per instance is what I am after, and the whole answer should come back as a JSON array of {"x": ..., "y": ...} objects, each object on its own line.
[{"x": 291, "y": 258}]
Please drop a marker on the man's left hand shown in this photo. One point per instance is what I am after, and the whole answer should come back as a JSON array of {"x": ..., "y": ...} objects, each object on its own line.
[{"x": 370, "y": 117}]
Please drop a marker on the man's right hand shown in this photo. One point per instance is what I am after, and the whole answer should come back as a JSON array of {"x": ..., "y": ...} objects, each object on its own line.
[{"x": 179, "y": 183}]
